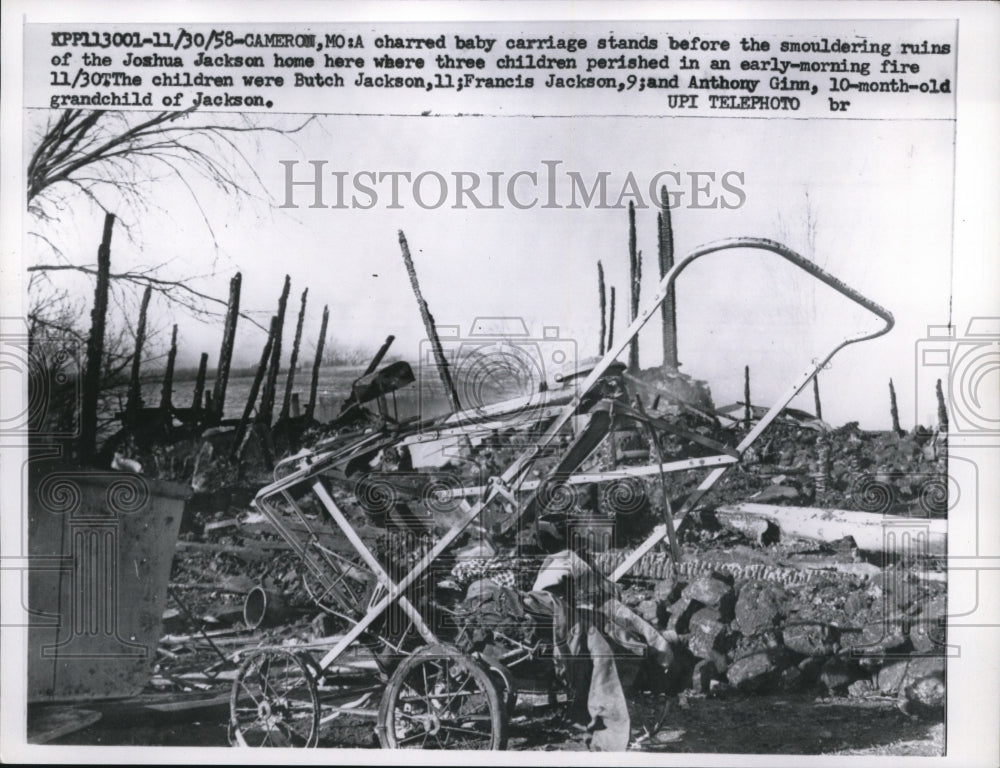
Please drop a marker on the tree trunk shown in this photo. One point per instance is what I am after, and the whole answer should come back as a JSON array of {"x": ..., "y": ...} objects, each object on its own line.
[
  {"x": 167, "y": 392},
  {"x": 819, "y": 405},
  {"x": 942, "y": 411},
  {"x": 258, "y": 377},
  {"x": 665, "y": 252},
  {"x": 425, "y": 314},
  {"x": 635, "y": 281},
  {"x": 602, "y": 303},
  {"x": 893, "y": 410},
  {"x": 293, "y": 360},
  {"x": 317, "y": 362},
  {"x": 611, "y": 320},
  {"x": 199, "y": 382},
  {"x": 91, "y": 385},
  {"x": 226, "y": 352},
  {"x": 133, "y": 401},
  {"x": 747, "y": 410},
  {"x": 266, "y": 413}
]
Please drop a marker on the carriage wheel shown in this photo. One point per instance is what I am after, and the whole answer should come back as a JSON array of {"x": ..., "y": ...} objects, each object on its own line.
[
  {"x": 274, "y": 702},
  {"x": 439, "y": 698}
]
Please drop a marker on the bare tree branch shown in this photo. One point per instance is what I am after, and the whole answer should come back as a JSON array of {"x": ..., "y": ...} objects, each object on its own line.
[{"x": 166, "y": 287}]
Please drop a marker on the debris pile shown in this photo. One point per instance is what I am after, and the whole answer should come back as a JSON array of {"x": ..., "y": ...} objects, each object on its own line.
[{"x": 430, "y": 574}]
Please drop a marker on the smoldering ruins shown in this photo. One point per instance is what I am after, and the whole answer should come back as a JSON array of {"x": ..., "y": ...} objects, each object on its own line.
[{"x": 471, "y": 555}]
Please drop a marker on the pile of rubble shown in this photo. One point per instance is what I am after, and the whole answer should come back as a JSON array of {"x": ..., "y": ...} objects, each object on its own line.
[{"x": 838, "y": 633}]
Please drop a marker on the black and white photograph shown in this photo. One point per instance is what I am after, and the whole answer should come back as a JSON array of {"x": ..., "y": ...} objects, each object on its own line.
[{"x": 554, "y": 378}]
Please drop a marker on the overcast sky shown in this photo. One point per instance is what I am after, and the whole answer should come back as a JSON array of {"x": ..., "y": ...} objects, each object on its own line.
[{"x": 878, "y": 195}]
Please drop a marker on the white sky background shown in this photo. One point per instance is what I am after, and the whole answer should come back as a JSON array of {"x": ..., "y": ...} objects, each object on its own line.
[{"x": 879, "y": 192}]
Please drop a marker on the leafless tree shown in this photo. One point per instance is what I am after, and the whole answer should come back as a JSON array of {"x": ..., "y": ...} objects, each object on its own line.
[
  {"x": 117, "y": 162},
  {"x": 114, "y": 160}
]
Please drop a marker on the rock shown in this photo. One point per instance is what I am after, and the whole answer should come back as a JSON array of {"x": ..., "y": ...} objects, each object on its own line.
[
  {"x": 667, "y": 590},
  {"x": 754, "y": 672},
  {"x": 927, "y": 630},
  {"x": 836, "y": 675},
  {"x": 713, "y": 592},
  {"x": 895, "y": 678},
  {"x": 927, "y": 640},
  {"x": 857, "y": 602},
  {"x": 808, "y": 638},
  {"x": 757, "y": 529},
  {"x": 927, "y": 693},
  {"x": 707, "y": 633},
  {"x": 649, "y": 610},
  {"x": 680, "y": 615},
  {"x": 846, "y": 545},
  {"x": 759, "y": 606},
  {"x": 859, "y": 689},
  {"x": 875, "y": 638}
]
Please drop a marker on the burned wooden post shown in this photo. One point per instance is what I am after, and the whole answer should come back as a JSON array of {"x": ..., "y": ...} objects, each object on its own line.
[
  {"x": 258, "y": 377},
  {"x": 167, "y": 391},
  {"x": 665, "y": 253},
  {"x": 199, "y": 383},
  {"x": 266, "y": 412},
  {"x": 611, "y": 320},
  {"x": 133, "y": 400},
  {"x": 293, "y": 360},
  {"x": 602, "y": 302},
  {"x": 893, "y": 410},
  {"x": 747, "y": 411},
  {"x": 942, "y": 411},
  {"x": 635, "y": 281},
  {"x": 425, "y": 314},
  {"x": 226, "y": 352},
  {"x": 819, "y": 405},
  {"x": 372, "y": 365},
  {"x": 941, "y": 438},
  {"x": 374, "y": 362},
  {"x": 317, "y": 362},
  {"x": 91, "y": 385},
  {"x": 821, "y": 478}
]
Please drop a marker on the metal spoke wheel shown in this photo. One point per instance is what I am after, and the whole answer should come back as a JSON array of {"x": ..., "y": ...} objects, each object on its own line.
[
  {"x": 439, "y": 698},
  {"x": 274, "y": 702}
]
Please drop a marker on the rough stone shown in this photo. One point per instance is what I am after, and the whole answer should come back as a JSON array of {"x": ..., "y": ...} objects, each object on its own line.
[
  {"x": 759, "y": 606},
  {"x": 860, "y": 688},
  {"x": 927, "y": 630},
  {"x": 895, "y": 678},
  {"x": 875, "y": 638},
  {"x": 680, "y": 615},
  {"x": 649, "y": 610},
  {"x": 713, "y": 592},
  {"x": 857, "y": 602},
  {"x": 807, "y": 638},
  {"x": 756, "y": 529},
  {"x": 926, "y": 693},
  {"x": 707, "y": 633},
  {"x": 754, "y": 672},
  {"x": 667, "y": 590}
]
